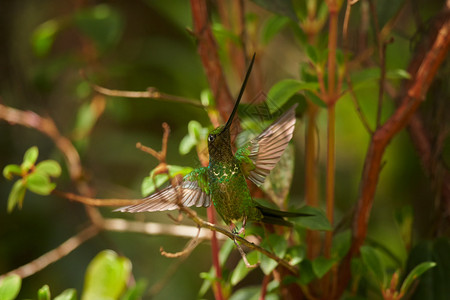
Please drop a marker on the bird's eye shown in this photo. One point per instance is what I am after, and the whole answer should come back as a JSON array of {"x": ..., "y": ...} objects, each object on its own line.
[{"x": 211, "y": 138}]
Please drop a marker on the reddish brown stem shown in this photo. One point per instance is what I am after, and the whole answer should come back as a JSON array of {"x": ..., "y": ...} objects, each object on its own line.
[
  {"x": 414, "y": 95},
  {"x": 207, "y": 49}
]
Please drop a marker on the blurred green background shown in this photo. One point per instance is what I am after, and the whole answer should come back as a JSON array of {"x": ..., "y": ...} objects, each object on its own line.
[{"x": 133, "y": 45}]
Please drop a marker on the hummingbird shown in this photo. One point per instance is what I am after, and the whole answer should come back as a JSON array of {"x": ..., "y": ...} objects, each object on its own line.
[{"x": 223, "y": 181}]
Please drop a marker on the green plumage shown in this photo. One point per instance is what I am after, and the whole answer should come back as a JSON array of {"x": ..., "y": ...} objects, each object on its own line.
[{"x": 223, "y": 182}]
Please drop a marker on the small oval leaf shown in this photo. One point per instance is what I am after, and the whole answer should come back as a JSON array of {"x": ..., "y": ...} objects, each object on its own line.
[
  {"x": 16, "y": 195},
  {"x": 69, "y": 294},
  {"x": 49, "y": 167},
  {"x": 10, "y": 170},
  {"x": 106, "y": 276},
  {"x": 30, "y": 158},
  {"x": 10, "y": 287},
  {"x": 44, "y": 293},
  {"x": 39, "y": 183}
]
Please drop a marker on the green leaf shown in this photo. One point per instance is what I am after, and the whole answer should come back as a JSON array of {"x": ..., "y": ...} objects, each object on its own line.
[
  {"x": 281, "y": 7},
  {"x": 404, "y": 218},
  {"x": 322, "y": 265},
  {"x": 106, "y": 276},
  {"x": 69, "y": 294},
  {"x": 416, "y": 272},
  {"x": 296, "y": 254},
  {"x": 102, "y": 23},
  {"x": 374, "y": 264},
  {"x": 136, "y": 292},
  {"x": 10, "y": 170},
  {"x": 30, "y": 158},
  {"x": 16, "y": 195},
  {"x": 49, "y": 168},
  {"x": 306, "y": 272},
  {"x": 276, "y": 244},
  {"x": 39, "y": 184},
  {"x": 311, "y": 52},
  {"x": 279, "y": 180},
  {"x": 398, "y": 74},
  {"x": 246, "y": 293},
  {"x": 194, "y": 129},
  {"x": 315, "y": 99},
  {"x": 341, "y": 244},
  {"x": 224, "y": 253},
  {"x": 318, "y": 220},
  {"x": 10, "y": 287},
  {"x": 432, "y": 284},
  {"x": 283, "y": 90},
  {"x": 186, "y": 144},
  {"x": 241, "y": 270},
  {"x": 149, "y": 184},
  {"x": 44, "y": 293},
  {"x": 44, "y": 36},
  {"x": 272, "y": 26}
]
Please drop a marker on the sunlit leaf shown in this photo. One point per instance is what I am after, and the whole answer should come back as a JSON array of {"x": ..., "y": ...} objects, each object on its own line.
[
  {"x": 416, "y": 272},
  {"x": 317, "y": 220},
  {"x": 69, "y": 294},
  {"x": 10, "y": 170},
  {"x": 374, "y": 264},
  {"x": 106, "y": 276},
  {"x": 186, "y": 144},
  {"x": 49, "y": 167},
  {"x": 295, "y": 254},
  {"x": 44, "y": 293},
  {"x": 398, "y": 74},
  {"x": 30, "y": 158},
  {"x": 10, "y": 287},
  {"x": 151, "y": 183},
  {"x": 39, "y": 184},
  {"x": 16, "y": 195}
]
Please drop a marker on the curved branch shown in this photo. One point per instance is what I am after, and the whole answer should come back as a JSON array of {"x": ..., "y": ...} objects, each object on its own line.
[
  {"x": 415, "y": 94},
  {"x": 46, "y": 126}
]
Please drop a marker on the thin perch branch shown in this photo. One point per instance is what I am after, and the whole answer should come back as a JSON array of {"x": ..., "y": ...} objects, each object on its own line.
[{"x": 150, "y": 93}]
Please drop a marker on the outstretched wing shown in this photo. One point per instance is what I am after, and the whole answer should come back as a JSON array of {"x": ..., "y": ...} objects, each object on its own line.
[
  {"x": 260, "y": 155},
  {"x": 193, "y": 190}
]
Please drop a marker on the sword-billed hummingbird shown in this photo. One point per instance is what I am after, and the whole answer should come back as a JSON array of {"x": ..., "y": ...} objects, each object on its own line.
[{"x": 223, "y": 181}]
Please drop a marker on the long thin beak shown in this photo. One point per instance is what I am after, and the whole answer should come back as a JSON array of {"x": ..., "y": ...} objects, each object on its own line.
[{"x": 241, "y": 92}]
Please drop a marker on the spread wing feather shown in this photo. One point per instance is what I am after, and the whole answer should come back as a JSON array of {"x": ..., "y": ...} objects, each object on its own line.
[
  {"x": 191, "y": 191},
  {"x": 259, "y": 156}
]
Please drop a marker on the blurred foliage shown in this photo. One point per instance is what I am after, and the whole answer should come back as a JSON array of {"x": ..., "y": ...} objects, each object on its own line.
[{"x": 134, "y": 45}]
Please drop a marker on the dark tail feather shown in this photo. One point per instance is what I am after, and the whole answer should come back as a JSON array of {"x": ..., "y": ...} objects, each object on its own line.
[{"x": 274, "y": 216}]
